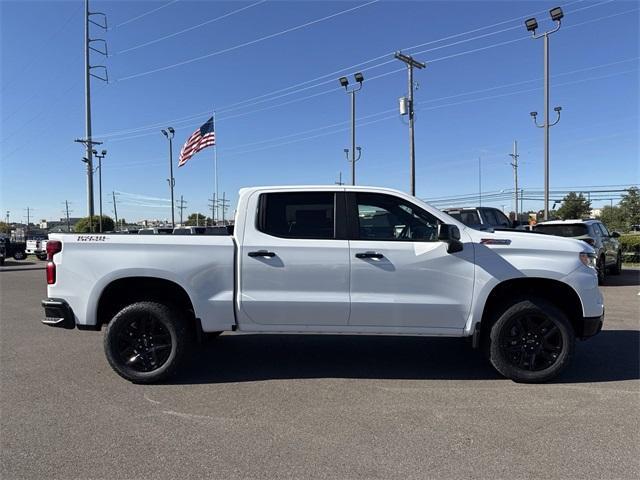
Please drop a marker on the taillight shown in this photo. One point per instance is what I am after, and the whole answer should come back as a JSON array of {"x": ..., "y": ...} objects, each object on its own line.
[
  {"x": 53, "y": 247},
  {"x": 51, "y": 273}
]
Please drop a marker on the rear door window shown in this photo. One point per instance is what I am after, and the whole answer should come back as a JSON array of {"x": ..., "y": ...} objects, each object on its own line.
[{"x": 298, "y": 215}]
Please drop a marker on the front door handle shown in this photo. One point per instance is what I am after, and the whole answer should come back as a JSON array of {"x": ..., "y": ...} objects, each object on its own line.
[
  {"x": 369, "y": 255},
  {"x": 262, "y": 253}
]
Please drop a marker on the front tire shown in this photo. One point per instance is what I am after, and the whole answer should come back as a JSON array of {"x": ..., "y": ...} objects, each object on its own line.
[
  {"x": 531, "y": 342},
  {"x": 19, "y": 256},
  {"x": 146, "y": 341}
]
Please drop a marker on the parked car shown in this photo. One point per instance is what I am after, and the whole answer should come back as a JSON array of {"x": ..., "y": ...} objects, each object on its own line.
[
  {"x": 328, "y": 259},
  {"x": 191, "y": 230},
  {"x": 481, "y": 218},
  {"x": 156, "y": 231},
  {"x": 593, "y": 232},
  {"x": 37, "y": 247},
  {"x": 17, "y": 250}
]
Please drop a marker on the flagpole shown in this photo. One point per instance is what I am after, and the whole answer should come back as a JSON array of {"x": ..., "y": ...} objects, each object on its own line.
[{"x": 215, "y": 168}]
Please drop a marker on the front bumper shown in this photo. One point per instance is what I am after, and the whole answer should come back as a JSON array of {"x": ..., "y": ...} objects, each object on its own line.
[
  {"x": 58, "y": 313},
  {"x": 591, "y": 326}
]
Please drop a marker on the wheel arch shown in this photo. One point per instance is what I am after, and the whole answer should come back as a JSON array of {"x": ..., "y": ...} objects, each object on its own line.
[
  {"x": 560, "y": 294},
  {"x": 126, "y": 290}
]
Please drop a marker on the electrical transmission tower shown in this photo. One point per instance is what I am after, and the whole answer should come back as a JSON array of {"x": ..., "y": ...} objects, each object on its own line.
[
  {"x": 212, "y": 206},
  {"x": 66, "y": 213},
  {"x": 88, "y": 141},
  {"x": 515, "y": 156},
  {"x": 223, "y": 205}
]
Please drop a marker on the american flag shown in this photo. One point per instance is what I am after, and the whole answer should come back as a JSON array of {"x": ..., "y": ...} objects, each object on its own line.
[{"x": 203, "y": 137}]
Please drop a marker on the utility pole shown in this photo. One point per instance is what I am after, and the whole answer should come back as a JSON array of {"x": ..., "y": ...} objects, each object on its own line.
[
  {"x": 212, "y": 206},
  {"x": 515, "y": 156},
  {"x": 339, "y": 182},
  {"x": 100, "y": 157},
  {"x": 223, "y": 205},
  {"x": 115, "y": 207},
  {"x": 531, "y": 24},
  {"x": 29, "y": 210},
  {"x": 169, "y": 133},
  {"x": 411, "y": 63},
  {"x": 344, "y": 81},
  {"x": 181, "y": 208},
  {"x": 87, "y": 141},
  {"x": 66, "y": 208},
  {"x": 7, "y": 217}
]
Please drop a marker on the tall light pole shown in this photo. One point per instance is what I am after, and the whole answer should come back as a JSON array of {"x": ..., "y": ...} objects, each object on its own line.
[
  {"x": 408, "y": 108},
  {"x": 344, "y": 81},
  {"x": 169, "y": 133},
  {"x": 100, "y": 157},
  {"x": 532, "y": 25}
]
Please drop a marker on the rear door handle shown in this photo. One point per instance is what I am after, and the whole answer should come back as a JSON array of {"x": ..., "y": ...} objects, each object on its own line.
[
  {"x": 262, "y": 253},
  {"x": 369, "y": 255}
]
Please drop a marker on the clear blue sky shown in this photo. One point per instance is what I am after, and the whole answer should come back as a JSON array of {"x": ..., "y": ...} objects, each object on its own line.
[{"x": 469, "y": 103}]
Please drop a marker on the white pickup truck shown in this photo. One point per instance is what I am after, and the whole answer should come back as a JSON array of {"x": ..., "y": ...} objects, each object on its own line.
[{"x": 328, "y": 259}]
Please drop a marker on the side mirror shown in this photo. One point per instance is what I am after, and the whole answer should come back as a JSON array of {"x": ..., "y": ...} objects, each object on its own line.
[
  {"x": 615, "y": 235},
  {"x": 450, "y": 234}
]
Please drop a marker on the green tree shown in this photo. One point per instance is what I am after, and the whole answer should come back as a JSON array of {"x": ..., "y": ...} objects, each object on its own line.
[
  {"x": 83, "y": 225},
  {"x": 630, "y": 206},
  {"x": 574, "y": 206},
  {"x": 197, "y": 219},
  {"x": 5, "y": 228},
  {"x": 613, "y": 218}
]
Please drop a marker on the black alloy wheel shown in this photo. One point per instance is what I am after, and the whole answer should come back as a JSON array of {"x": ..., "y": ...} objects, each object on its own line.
[
  {"x": 531, "y": 342},
  {"x": 143, "y": 344},
  {"x": 146, "y": 341}
]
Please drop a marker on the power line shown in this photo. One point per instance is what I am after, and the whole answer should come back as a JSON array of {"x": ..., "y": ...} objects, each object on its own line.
[
  {"x": 180, "y": 32},
  {"x": 245, "y": 44},
  {"x": 228, "y": 108},
  {"x": 138, "y": 17}
]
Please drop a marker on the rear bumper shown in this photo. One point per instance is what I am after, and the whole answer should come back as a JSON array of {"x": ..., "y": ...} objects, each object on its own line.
[
  {"x": 591, "y": 326},
  {"x": 58, "y": 313}
]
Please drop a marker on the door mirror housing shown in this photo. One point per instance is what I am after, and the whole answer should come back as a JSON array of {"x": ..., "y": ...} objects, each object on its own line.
[
  {"x": 450, "y": 234},
  {"x": 615, "y": 235}
]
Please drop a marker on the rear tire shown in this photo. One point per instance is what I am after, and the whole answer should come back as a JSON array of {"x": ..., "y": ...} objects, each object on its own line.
[
  {"x": 146, "y": 342},
  {"x": 532, "y": 341},
  {"x": 617, "y": 268},
  {"x": 19, "y": 256}
]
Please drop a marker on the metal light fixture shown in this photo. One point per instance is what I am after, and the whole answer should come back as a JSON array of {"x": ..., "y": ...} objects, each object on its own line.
[
  {"x": 531, "y": 24},
  {"x": 359, "y": 77},
  {"x": 534, "y": 114},
  {"x": 556, "y": 14},
  {"x": 557, "y": 109},
  {"x": 344, "y": 81}
]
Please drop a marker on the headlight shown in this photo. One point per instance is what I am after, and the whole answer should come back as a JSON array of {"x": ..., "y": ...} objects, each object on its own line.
[{"x": 588, "y": 259}]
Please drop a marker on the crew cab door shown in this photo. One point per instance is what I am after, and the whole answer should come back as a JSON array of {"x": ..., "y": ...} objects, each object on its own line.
[
  {"x": 294, "y": 269},
  {"x": 401, "y": 274}
]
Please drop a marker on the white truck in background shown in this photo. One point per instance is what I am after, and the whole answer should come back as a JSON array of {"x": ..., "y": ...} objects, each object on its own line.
[{"x": 328, "y": 259}]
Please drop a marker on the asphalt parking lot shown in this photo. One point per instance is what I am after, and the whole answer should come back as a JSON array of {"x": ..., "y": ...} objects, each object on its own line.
[{"x": 303, "y": 406}]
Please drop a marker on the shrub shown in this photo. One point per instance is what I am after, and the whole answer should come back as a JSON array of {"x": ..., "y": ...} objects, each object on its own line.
[{"x": 630, "y": 245}]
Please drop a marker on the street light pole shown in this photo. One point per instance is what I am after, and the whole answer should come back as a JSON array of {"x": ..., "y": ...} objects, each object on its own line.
[
  {"x": 532, "y": 25},
  {"x": 169, "y": 133},
  {"x": 411, "y": 63},
  {"x": 345, "y": 83}
]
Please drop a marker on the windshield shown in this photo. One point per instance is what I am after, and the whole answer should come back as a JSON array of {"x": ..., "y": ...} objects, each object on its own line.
[{"x": 563, "y": 230}]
